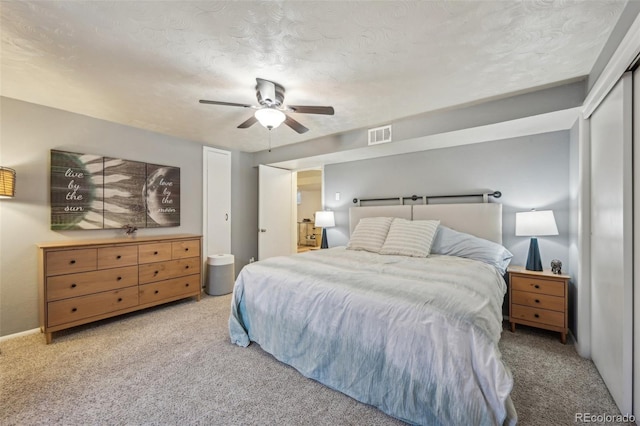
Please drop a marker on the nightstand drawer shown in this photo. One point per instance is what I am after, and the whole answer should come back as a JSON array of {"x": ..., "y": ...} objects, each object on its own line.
[
  {"x": 536, "y": 300},
  {"x": 537, "y": 285},
  {"x": 542, "y": 316}
]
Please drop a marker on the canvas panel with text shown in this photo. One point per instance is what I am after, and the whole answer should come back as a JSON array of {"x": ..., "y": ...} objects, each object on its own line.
[
  {"x": 162, "y": 195},
  {"x": 94, "y": 192},
  {"x": 76, "y": 191}
]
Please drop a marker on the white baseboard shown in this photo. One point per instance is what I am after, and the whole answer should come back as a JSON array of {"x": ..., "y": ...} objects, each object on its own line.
[{"x": 22, "y": 333}]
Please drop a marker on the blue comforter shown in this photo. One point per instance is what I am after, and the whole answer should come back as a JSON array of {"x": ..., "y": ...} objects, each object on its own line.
[{"x": 415, "y": 337}]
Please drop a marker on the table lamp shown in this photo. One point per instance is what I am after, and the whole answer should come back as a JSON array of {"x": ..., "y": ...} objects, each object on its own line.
[
  {"x": 535, "y": 224},
  {"x": 324, "y": 219}
]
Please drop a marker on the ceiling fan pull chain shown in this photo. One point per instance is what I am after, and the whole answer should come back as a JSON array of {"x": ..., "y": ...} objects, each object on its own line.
[{"x": 269, "y": 140}]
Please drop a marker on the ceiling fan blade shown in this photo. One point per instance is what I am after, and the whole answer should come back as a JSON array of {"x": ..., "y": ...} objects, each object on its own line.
[
  {"x": 305, "y": 109},
  {"x": 267, "y": 91},
  {"x": 295, "y": 125},
  {"x": 250, "y": 122},
  {"x": 203, "y": 101}
]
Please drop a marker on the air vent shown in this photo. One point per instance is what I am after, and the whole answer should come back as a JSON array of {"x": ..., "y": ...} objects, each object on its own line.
[{"x": 380, "y": 135}]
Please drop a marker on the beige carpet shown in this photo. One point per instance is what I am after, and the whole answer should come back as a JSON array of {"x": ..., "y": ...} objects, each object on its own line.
[{"x": 175, "y": 365}]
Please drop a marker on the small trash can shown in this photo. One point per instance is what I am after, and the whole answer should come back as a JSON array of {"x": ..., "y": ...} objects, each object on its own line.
[{"x": 220, "y": 271}]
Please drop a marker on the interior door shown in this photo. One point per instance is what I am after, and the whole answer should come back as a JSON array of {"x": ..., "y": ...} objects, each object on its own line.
[
  {"x": 612, "y": 242},
  {"x": 636, "y": 244},
  {"x": 216, "y": 201},
  {"x": 275, "y": 212}
]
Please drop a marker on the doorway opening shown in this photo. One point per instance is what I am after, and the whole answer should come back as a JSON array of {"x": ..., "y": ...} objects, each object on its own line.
[{"x": 309, "y": 201}]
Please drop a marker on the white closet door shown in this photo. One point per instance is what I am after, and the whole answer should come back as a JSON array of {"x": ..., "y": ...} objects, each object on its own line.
[
  {"x": 636, "y": 244},
  {"x": 217, "y": 201},
  {"x": 612, "y": 242}
]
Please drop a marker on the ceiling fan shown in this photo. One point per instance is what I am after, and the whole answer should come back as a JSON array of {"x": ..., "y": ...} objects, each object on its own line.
[{"x": 271, "y": 112}]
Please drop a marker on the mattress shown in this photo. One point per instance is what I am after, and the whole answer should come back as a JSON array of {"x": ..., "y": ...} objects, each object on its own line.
[{"x": 415, "y": 337}]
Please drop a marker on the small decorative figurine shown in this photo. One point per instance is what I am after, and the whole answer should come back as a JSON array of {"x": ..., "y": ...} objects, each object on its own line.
[
  {"x": 556, "y": 267},
  {"x": 130, "y": 230}
]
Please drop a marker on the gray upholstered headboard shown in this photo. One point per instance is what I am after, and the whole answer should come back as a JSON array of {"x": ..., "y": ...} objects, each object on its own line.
[{"x": 483, "y": 220}]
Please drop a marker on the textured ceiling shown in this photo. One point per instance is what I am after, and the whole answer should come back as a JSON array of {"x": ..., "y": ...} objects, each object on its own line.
[{"x": 146, "y": 64}]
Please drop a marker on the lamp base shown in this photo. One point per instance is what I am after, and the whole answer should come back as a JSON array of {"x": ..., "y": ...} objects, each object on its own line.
[
  {"x": 324, "y": 243},
  {"x": 534, "y": 263}
]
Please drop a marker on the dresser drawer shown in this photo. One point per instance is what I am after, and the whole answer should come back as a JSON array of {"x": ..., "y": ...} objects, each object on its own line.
[
  {"x": 158, "y": 291},
  {"x": 537, "y": 285},
  {"x": 182, "y": 249},
  {"x": 79, "y": 308},
  {"x": 114, "y": 257},
  {"x": 536, "y": 300},
  {"x": 151, "y": 272},
  {"x": 156, "y": 252},
  {"x": 71, "y": 261},
  {"x": 541, "y": 316},
  {"x": 73, "y": 285}
]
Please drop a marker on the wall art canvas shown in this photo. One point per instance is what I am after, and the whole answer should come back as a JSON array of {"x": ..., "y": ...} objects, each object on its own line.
[
  {"x": 162, "y": 193},
  {"x": 76, "y": 191},
  {"x": 94, "y": 192},
  {"x": 124, "y": 202}
]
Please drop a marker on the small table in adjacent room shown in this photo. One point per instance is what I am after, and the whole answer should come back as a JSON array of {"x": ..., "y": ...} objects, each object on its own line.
[{"x": 538, "y": 299}]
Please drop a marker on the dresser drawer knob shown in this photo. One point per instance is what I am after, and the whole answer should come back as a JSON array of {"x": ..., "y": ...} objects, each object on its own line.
[
  {"x": 536, "y": 315},
  {"x": 537, "y": 286},
  {"x": 71, "y": 262},
  {"x": 186, "y": 249},
  {"x": 74, "y": 309},
  {"x": 119, "y": 278},
  {"x": 186, "y": 267},
  {"x": 537, "y": 301},
  {"x": 119, "y": 299},
  {"x": 118, "y": 257},
  {"x": 186, "y": 285},
  {"x": 155, "y": 253},
  {"x": 156, "y": 292},
  {"x": 74, "y": 285},
  {"x": 155, "y": 272}
]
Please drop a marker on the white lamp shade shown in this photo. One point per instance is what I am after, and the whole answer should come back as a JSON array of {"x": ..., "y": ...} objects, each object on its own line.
[
  {"x": 536, "y": 223},
  {"x": 270, "y": 117},
  {"x": 325, "y": 219}
]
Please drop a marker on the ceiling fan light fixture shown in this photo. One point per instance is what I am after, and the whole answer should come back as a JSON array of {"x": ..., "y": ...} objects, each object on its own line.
[{"x": 270, "y": 117}]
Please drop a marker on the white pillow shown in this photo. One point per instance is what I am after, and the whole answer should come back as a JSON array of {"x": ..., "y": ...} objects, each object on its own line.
[
  {"x": 454, "y": 243},
  {"x": 410, "y": 237},
  {"x": 370, "y": 234}
]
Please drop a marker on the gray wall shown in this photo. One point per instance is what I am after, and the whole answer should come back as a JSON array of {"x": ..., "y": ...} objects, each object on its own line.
[
  {"x": 27, "y": 135},
  {"x": 489, "y": 111},
  {"x": 244, "y": 209},
  {"x": 531, "y": 172}
]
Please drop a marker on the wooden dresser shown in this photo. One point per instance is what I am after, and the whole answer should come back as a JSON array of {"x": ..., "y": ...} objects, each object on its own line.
[
  {"x": 538, "y": 299},
  {"x": 88, "y": 280}
]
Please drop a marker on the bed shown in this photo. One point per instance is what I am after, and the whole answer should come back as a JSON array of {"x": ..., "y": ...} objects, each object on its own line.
[{"x": 416, "y": 337}]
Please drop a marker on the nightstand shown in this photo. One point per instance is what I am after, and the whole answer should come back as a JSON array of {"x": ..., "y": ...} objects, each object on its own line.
[{"x": 538, "y": 299}]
